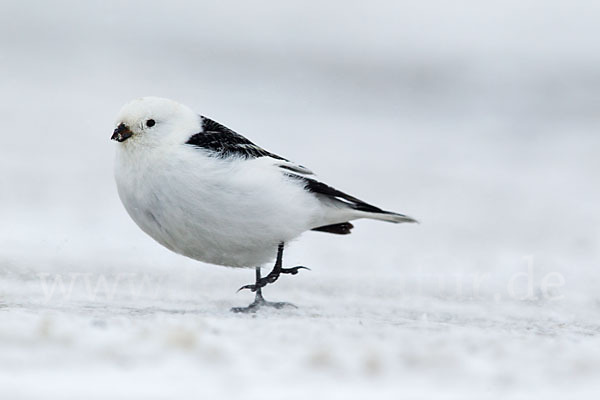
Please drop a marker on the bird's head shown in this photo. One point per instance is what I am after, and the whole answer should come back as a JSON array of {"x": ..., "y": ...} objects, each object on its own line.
[{"x": 154, "y": 121}]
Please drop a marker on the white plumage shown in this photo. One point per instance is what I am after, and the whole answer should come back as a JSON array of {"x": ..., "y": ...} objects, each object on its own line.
[{"x": 219, "y": 200}]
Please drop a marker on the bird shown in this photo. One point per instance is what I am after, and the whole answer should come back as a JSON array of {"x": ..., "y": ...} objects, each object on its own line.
[{"x": 206, "y": 192}]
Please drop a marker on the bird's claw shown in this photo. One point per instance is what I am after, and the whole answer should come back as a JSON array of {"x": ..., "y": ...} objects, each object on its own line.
[
  {"x": 261, "y": 283},
  {"x": 293, "y": 270},
  {"x": 253, "y": 288}
]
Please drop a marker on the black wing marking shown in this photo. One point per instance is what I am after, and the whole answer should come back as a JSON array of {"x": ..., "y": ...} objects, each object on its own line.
[
  {"x": 339, "y": 229},
  {"x": 320, "y": 188},
  {"x": 299, "y": 169},
  {"x": 226, "y": 143}
]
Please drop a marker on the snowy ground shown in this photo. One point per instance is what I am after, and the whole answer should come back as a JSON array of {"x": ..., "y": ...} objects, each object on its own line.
[{"x": 482, "y": 122}]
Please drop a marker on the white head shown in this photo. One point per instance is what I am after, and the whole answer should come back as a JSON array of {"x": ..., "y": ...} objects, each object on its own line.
[{"x": 154, "y": 121}]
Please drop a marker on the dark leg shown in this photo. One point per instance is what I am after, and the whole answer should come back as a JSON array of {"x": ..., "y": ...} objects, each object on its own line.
[
  {"x": 259, "y": 300},
  {"x": 274, "y": 274}
]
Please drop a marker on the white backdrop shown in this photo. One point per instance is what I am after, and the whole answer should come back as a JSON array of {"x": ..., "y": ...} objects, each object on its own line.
[{"x": 479, "y": 119}]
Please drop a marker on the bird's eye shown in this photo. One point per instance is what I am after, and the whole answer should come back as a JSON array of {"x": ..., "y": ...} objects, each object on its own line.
[{"x": 150, "y": 123}]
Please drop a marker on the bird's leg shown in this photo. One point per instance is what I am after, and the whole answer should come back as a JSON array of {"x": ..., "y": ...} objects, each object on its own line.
[
  {"x": 259, "y": 300},
  {"x": 274, "y": 274},
  {"x": 259, "y": 297}
]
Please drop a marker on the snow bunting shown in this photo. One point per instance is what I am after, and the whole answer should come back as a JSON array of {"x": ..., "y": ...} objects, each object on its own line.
[{"x": 208, "y": 193}]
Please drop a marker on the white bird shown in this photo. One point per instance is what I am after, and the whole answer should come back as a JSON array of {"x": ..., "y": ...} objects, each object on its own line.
[{"x": 208, "y": 193}]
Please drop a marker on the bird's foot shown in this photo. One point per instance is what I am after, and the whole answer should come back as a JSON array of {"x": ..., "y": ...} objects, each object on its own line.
[
  {"x": 272, "y": 277},
  {"x": 259, "y": 303},
  {"x": 293, "y": 270}
]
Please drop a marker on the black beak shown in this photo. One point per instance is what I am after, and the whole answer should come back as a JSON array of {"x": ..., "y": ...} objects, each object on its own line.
[{"x": 121, "y": 134}]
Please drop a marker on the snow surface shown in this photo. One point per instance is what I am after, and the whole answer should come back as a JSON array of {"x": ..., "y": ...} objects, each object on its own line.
[{"x": 481, "y": 120}]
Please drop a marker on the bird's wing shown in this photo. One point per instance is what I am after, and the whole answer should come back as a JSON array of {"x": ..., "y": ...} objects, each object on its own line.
[
  {"x": 320, "y": 188},
  {"x": 225, "y": 143},
  {"x": 338, "y": 198},
  {"x": 296, "y": 168}
]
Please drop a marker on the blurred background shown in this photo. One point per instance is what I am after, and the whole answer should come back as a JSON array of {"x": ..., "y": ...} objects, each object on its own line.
[{"x": 480, "y": 119}]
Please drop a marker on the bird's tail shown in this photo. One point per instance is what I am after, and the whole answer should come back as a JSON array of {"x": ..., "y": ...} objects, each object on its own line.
[
  {"x": 388, "y": 216},
  {"x": 351, "y": 208}
]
